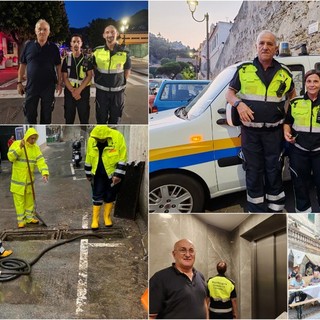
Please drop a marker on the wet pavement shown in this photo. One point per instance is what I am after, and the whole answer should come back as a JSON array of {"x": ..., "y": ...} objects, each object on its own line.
[{"x": 89, "y": 278}]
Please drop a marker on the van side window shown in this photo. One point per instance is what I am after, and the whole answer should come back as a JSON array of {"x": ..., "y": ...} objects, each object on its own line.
[{"x": 298, "y": 77}]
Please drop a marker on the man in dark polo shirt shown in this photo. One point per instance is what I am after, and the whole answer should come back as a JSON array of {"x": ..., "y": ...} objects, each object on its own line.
[
  {"x": 179, "y": 291},
  {"x": 41, "y": 59}
]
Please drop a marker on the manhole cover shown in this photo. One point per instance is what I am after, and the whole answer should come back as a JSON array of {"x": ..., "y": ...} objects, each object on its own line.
[
  {"x": 17, "y": 235},
  {"x": 109, "y": 233},
  {"x": 54, "y": 234}
]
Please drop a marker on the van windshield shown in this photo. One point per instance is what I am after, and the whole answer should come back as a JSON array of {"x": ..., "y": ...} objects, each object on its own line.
[{"x": 211, "y": 91}]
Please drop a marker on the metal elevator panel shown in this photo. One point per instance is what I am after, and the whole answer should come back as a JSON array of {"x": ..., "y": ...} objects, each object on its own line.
[
  {"x": 270, "y": 276},
  {"x": 281, "y": 272},
  {"x": 265, "y": 278}
]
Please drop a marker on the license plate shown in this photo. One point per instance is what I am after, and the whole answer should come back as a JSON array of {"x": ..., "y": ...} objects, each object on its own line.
[{"x": 77, "y": 157}]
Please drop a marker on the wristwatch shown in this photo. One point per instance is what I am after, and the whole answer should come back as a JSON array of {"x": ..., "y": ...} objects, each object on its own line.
[{"x": 237, "y": 103}]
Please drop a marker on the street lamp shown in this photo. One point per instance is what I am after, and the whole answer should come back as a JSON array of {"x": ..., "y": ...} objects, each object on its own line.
[
  {"x": 123, "y": 28},
  {"x": 192, "y": 7}
]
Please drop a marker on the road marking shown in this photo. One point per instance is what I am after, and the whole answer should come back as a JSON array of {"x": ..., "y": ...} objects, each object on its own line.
[
  {"x": 83, "y": 266},
  {"x": 9, "y": 83},
  {"x": 73, "y": 172}
]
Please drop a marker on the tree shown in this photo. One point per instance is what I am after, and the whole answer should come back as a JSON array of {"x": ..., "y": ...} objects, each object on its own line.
[
  {"x": 170, "y": 69},
  {"x": 18, "y": 19},
  {"x": 96, "y": 29}
]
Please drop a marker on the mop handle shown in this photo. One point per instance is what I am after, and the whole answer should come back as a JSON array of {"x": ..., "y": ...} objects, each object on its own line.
[{"x": 32, "y": 187}]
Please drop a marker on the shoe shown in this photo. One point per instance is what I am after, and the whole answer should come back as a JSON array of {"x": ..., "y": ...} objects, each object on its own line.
[
  {"x": 33, "y": 221},
  {"x": 6, "y": 253},
  {"x": 21, "y": 225}
]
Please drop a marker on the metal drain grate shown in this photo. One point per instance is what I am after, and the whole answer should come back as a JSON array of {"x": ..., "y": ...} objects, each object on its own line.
[{"x": 57, "y": 234}]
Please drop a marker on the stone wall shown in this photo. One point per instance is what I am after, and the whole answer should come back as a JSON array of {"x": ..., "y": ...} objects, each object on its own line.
[{"x": 289, "y": 20}]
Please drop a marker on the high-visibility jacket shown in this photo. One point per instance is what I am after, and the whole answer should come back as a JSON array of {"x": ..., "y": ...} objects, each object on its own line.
[
  {"x": 304, "y": 114},
  {"x": 305, "y": 117},
  {"x": 109, "y": 73},
  {"x": 76, "y": 82},
  {"x": 114, "y": 156},
  {"x": 220, "y": 288},
  {"x": 268, "y": 102},
  {"x": 20, "y": 179}
]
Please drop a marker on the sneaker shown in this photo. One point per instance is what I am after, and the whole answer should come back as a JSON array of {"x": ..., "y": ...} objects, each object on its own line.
[
  {"x": 21, "y": 225},
  {"x": 6, "y": 253},
  {"x": 33, "y": 221}
]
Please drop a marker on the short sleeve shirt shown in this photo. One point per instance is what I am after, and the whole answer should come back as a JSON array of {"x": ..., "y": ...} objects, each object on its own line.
[
  {"x": 172, "y": 295},
  {"x": 295, "y": 283},
  {"x": 41, "y": 62}
]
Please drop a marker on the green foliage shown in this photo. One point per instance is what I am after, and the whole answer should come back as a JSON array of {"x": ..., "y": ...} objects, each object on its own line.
[
  {"x": 188, "y": 73},
  {"x": 165, "y": 61},
  {"x": 18, "y": 18}
]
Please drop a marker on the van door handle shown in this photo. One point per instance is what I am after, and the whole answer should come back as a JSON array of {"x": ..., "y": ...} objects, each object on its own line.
[
  {"x": 222, "y": 121},
  {"x": 222, "y": 111}
]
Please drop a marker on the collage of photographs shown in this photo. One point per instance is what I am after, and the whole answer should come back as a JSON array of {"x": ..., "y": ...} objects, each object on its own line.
[{"x": 158, "y": 159}]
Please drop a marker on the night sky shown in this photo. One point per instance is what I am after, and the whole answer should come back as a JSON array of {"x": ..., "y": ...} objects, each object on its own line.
[{"x": 80, "y": 13}]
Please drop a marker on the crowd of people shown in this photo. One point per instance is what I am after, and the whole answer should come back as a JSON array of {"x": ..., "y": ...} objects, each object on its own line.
[{"x": 40, "y": 62}]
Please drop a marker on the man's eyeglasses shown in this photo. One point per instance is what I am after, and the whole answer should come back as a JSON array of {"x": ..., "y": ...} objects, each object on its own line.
[{"x": 185, "y": 251}]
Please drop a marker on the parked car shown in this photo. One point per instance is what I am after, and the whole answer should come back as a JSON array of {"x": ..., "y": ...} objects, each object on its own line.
[{"x": 176, "y": 93}]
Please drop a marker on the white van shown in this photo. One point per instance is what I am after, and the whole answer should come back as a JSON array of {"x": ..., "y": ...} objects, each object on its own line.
[{"x": 194, "y": 152}]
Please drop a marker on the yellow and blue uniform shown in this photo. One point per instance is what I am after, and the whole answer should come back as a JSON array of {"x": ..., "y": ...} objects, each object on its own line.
[
  {"x": 110, "y": 82},
  {"x": 221, "y": 291}
]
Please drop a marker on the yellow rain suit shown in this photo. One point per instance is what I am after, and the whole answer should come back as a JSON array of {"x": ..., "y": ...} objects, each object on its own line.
[{"x": 20, "y": 179}]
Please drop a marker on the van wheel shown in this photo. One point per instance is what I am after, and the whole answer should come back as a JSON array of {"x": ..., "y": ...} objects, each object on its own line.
[{"x": 175, "y": 193}]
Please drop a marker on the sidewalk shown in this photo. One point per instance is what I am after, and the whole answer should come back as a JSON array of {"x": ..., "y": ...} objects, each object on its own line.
[{"x": 8, "y": 76}]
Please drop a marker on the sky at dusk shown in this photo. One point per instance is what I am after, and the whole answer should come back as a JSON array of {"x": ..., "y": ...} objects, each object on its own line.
[
  {"x": 80, "y": 13},
  {"x": 173, "y": 20}
]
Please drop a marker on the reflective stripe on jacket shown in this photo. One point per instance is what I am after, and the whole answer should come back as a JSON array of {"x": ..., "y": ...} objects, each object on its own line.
[
  {"x": 220, "y": 288},
  {"x": 266, "y": 102},
  {"x": 20, "y": 178},
  {"x": 109, "y": 74},
  {"x": 114, "y": 156}
]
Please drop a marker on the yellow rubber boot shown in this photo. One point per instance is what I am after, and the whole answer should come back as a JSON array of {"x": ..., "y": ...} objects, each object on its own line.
[
  {"x": 6, "y": 253},
  {"x": 107, "y": 214},
  {"x": 95, "y": 217}
]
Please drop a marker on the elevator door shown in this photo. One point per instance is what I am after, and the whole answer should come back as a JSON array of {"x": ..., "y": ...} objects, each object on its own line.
[{"x": 270, "y": 276}]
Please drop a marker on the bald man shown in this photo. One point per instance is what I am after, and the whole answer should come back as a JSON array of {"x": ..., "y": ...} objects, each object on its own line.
[
  {"x": 223, "y": 297},
  {"x": 179, "y": 291}
]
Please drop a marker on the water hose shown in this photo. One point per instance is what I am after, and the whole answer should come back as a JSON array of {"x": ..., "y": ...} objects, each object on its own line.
[{"x": 13, "y": 268}]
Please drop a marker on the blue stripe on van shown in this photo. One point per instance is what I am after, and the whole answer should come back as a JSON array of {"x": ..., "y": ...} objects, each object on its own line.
[{"x": 194, "y": 159}]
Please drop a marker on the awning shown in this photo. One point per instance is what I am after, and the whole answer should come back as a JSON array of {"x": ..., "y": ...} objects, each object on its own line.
[{"x": 298, "y": 257}]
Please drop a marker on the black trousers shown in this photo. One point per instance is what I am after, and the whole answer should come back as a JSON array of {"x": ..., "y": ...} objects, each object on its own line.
[
  {"x": 302, "y": 164},
  {"x": 71, "y": 105},
  {"x": 262, "y": 149},
  {"x": 109, "y": 106},
  {"x": 102, "y": 191},
  {"x": 31, "y": 102}
]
